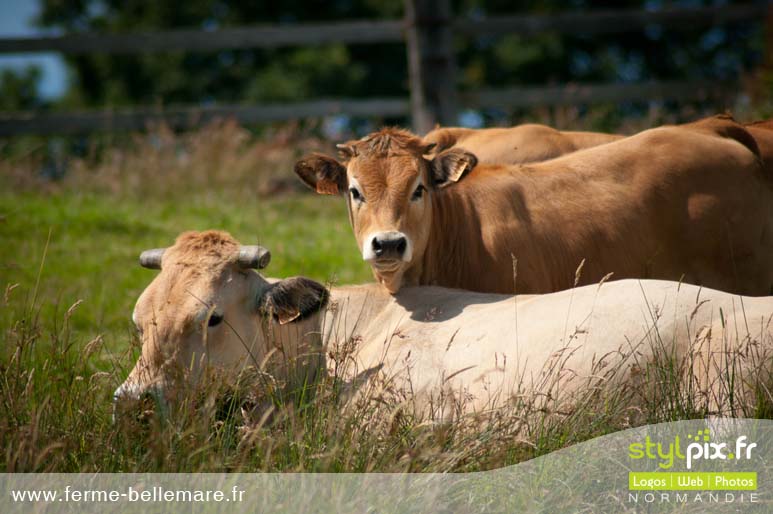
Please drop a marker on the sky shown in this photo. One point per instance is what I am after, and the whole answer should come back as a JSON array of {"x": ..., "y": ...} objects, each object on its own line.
[{"x": 16, "y": 19}]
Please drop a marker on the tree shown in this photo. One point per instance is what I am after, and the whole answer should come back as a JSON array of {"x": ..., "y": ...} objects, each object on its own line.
[
  {"x": 18, "y": 89},
  {"x": 289, "y": 74},
  {"x": 227, "y": 76}
]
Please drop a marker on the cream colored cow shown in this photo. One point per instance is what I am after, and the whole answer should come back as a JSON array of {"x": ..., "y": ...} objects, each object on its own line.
[{"x": 441, "y": 351}]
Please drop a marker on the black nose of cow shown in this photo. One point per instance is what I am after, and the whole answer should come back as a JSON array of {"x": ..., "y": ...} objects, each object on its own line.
[{"x": 393, "y": 247}]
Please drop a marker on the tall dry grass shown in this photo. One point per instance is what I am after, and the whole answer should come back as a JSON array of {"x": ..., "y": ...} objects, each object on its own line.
[
  {"x": 222, "y": 156},
  {"x": 56, "y": 412}
]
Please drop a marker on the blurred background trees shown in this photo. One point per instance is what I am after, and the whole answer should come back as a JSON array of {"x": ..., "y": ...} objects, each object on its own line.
[
  {"x": 226, "y": 76},
  {"x": 18, "y": 89},
  {"x": 289, "y": 74}
]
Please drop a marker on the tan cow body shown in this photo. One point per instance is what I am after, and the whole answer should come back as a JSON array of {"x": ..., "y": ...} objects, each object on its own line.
[
  {"x": 516, "y": 145},
  {"x": 441, "y": 351},
  {"x": 692, "y": 202}
]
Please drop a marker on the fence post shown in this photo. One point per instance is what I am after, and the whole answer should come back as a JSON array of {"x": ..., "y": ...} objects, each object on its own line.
[{"x": 431, "y": 66}]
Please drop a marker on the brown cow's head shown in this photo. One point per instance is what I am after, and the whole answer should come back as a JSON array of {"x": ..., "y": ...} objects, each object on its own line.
[
  {"x": 388, "y": 183},
  {"x": 208, "y": 309}
]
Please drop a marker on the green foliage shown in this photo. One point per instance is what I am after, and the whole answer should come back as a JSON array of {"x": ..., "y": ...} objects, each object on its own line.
[
  {"x": 227, "y": 76},
  {"x": 18, "y": 90},
  {"x": 306, "y": 73},
  {"x": 288, "y": 74},
  {"x": 722, "y": 52}
]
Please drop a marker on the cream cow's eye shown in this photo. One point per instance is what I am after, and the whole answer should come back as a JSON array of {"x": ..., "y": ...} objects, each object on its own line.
[{"x": 215, "y": 320}]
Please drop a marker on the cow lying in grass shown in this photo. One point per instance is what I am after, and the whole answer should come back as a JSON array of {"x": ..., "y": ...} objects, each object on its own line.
[
  {"x": 515, "y": 145},
  {"x": 441, "y": 352},
  {"x": 692, "y": 202}
]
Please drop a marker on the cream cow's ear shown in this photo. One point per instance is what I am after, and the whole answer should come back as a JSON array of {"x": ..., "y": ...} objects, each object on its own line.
[
  {"x": 449, "y": 166},
  {"x": 323, "y": 174},
  {"x": 293, "y": 299}
]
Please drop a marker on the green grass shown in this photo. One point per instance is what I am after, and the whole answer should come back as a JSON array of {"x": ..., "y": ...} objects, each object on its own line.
[
  {"x": 64, "y": 247},
  {"x": 95, "y": 241}
]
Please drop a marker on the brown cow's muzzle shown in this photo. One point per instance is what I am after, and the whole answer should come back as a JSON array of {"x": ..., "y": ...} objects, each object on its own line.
[
  {"x": 386, "y": 250},
  {"x": 389, "y": 253}
]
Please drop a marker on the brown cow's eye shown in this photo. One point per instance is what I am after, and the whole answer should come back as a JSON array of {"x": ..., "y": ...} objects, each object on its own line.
[
  {"x": 215, "y": 320},
  {"x": 418, "y": 193},
  {"x": 356, "y": 195}
]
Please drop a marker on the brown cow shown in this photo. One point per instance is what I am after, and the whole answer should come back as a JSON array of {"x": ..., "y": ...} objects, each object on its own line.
[
  {"x": 686, "y": 202},
  {"x": 515, "y": 145}
]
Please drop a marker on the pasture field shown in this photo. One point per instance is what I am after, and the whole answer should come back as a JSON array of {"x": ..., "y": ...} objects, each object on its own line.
[{"x": 69, "y": 279}]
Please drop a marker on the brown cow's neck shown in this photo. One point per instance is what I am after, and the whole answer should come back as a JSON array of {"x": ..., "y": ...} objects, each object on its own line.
[
  {"x": 480, "y": 225},
  {"x": 452, "y": 257}
]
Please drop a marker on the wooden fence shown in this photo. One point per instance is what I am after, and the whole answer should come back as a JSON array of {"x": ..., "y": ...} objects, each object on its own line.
[{"x": 427, "y": 30}]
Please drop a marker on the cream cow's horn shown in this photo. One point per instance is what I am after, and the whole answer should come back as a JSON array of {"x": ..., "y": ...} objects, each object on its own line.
[
  {"x": 254, "y": 256},
  {"x": 151, "y": 259}
]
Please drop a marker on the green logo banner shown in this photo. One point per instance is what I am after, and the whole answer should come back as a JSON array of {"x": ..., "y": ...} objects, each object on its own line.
[{"x": 727, "y": 481}]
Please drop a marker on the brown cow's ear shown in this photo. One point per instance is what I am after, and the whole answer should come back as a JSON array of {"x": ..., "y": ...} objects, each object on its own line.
[
  {"x": 449, "y": 166},
  {"x": 347, "y": 150},
  {"x": 293, "y": 299},
  {"x": 324, "y": 174}
]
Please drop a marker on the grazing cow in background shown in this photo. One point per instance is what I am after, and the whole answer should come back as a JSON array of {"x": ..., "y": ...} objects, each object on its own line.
[
  {"x": 515, "y": 145},
  {"x": 692, "y": 203},
  {"x": 442, "y": 352}
]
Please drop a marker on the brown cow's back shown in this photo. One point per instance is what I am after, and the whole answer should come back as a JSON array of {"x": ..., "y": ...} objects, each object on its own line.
[
  {"x": 723, "y": 125},
  {"x": 687, "y": 202},
  {"x": 760, "y": 124},
  {"x": 516, "y": 145}
]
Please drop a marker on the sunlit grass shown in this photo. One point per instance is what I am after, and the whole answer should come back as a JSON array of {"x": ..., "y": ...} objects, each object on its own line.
[{"x": 96, "y": 239}]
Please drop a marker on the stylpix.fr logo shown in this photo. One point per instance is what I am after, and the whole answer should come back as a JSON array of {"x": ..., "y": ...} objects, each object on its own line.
[{"x": 698, "y": 447}]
